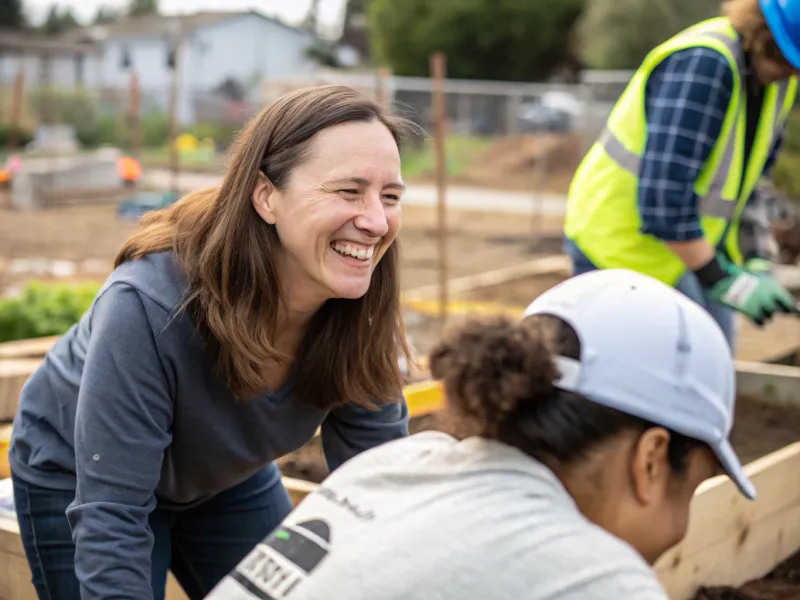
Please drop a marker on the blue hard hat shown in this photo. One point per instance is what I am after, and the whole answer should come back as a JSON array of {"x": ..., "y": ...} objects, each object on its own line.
[{"x": 783, "y": 20}]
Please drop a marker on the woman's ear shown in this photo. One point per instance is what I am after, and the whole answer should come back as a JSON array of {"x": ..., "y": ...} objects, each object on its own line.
[
  {"x": 263, "y": 199},
  {"x": 650, "y": 469}
]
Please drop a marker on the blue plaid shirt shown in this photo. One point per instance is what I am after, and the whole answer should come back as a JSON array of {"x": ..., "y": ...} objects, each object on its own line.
[{"x": 686, "y": 99}]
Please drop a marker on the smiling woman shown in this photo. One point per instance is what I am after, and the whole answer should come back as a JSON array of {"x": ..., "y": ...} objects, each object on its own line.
[{"x": 236, "y": 322}]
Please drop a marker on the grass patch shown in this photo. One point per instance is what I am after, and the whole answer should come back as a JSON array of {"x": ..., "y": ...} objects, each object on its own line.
[
  {"x": 460, "y": 152},
  {"x": 158, "y": 158}
]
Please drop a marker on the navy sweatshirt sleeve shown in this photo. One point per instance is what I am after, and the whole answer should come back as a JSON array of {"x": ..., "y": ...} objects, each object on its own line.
[
  {"x": 350, "y": 429},
  {"x": 122, "y": 428}
]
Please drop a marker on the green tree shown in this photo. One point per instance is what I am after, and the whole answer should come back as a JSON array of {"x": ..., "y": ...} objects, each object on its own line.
[
  {"x": 104, "y": 14},
  {"x": 142, "y": 7},
  {"x": 483, "y": 39},
  {"x": 12, "y": 16},
  {"x": 59, "y": 20},
  {"x": 618, "y": 34}
]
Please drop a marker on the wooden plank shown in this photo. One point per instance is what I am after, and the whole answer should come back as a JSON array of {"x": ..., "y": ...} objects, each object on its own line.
[
  {"x": 780, "y": 336},
  {"x": 298, "y": 489},
  {"x": 5, "y": 438},
  {"x": 557, "y": 263},
  {"x": 32, "y": 348},
  {"x": 13, "y": 375},
  {"x": 732, "y": 540},
  {"x": 775, "y": 384}
]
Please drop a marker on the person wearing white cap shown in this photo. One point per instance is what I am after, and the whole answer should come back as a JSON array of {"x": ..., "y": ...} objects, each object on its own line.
[{"x": 570, "y": 447}]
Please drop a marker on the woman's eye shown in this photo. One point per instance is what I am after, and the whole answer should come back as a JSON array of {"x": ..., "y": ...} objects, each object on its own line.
[
  {"x": 349, "y": 192},
  {"x": 392, "y": 197}
]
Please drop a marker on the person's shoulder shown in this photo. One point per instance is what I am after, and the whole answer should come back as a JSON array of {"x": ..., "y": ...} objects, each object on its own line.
[
  {"x": 696, "y": 62},
  {"x": 407, "y": 450},
  {"x": 155, "y": 277}
]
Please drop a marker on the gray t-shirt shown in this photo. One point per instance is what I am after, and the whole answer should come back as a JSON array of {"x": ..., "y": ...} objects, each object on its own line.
[{"x": 430, "y": 517}]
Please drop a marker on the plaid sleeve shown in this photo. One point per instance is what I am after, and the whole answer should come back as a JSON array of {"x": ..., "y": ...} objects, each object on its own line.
[{"x": 686, "y": 98}]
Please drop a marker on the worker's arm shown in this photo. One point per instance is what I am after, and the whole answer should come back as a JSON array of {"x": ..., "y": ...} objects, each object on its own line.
[{"x": 686, "y": 99}]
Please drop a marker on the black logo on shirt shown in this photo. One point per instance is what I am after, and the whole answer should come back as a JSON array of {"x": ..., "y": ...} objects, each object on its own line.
[{"x": 283, "y": 560}]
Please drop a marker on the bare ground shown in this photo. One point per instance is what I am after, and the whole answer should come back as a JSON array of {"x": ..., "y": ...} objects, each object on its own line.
[{"x": 91, "y": 236}]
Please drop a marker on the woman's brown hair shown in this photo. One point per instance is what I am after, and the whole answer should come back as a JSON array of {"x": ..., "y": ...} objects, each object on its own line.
[
  {"x": 227, "y": 252},
  {"x": 499, "y": 379},
  {"x": 754, "y": 35}
]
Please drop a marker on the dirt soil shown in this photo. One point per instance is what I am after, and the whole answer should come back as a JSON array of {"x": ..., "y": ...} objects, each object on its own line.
[
  {"x": 544, "y": 162},
  {"x": 759, "y": 429},
  {"x": 517, "y": 293},
  {"x": 788, "y": 239},
  {"x": 309, "y": 463},
  {"x": 783, "y": 583},
  {"x": 90, "y": 236}
]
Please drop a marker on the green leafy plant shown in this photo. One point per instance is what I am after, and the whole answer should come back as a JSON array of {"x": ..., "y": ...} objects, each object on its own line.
[{"x": 44, "y": 309}]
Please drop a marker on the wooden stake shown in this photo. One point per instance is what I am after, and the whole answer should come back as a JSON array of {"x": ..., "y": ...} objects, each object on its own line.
[
  {"x": 133, "y": 115},
  {"x": 16, "y": 109},
  {"x": 438, "y": 70},
  {"x": 174, "y": 159},
  {"x": 380, "y": 85}
]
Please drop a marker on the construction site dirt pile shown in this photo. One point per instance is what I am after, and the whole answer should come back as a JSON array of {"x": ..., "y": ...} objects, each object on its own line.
[{"x": 541, "y": 162}]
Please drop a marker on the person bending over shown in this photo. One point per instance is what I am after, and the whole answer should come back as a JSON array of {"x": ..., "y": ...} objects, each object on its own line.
[
  {"x": 571, "y": 444},
  {"x": 237, "y": 322}
]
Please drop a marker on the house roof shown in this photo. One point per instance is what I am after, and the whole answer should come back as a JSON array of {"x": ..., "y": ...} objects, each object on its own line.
[
  {"x": 148, "y": 25},
  {"x": 21, "y": 42}
]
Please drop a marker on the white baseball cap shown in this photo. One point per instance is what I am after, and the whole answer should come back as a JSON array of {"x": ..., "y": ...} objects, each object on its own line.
[{"x": 649, "y": 351}]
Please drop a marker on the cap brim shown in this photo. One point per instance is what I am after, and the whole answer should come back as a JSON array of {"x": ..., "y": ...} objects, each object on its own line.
[{"x": 730, "y": 463}]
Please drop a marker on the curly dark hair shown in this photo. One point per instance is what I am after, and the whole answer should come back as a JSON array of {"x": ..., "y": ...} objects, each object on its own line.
[{"x": 498, "y": 376}]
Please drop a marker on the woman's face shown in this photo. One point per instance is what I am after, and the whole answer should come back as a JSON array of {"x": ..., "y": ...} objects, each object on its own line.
[
  {"x": 337, "y": 215},
  {"x": 642, "y": 499}
]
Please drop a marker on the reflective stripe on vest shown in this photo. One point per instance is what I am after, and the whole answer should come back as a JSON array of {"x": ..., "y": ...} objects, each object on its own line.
[{"x": 712, "y": 204}]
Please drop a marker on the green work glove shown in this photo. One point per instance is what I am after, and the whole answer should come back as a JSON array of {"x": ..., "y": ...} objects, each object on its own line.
[
  {"x": 759, "y": 266},
  {"x": 754, "y": 293}
]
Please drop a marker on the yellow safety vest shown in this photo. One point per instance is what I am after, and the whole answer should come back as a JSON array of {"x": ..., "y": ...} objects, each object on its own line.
[{"x": 602, "y": 216}]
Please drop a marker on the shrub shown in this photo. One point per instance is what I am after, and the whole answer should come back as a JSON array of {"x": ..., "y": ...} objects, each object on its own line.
[
  {"x": 44, "y": 309},
  {"x": 24, "y": 136}
]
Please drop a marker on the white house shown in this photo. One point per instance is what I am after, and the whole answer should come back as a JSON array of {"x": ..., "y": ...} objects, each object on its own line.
[
  {"x": 45, "y": 61},
  {"x": 244, "y": 47}
]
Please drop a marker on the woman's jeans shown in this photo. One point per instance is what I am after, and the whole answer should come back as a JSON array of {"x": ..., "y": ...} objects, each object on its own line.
[
  {"x": 688, "y": 285},
  {"x": 199, "y": 545}
]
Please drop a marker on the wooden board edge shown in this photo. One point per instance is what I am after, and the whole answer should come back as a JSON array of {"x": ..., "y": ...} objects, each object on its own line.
[
  {"x": 298, "y": 489},
  {"x": 424, "y": 397},
  {"x": 775, "y": 384},
  {"x": 547, "y": 265},
  {"x": 731, "y": 540},
  {"x": 27, "y": 348}
]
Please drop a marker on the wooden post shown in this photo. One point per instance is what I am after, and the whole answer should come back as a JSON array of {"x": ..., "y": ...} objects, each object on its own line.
[
  {"x": 438, "y": 69},
  {"x": 380, "y": 86},
  {"x": 17, "y": 96},
  {"x": 174, "y": 159},
  {"x": 133, "y": 116}
]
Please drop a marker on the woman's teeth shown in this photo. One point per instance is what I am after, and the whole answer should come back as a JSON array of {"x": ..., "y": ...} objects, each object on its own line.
[{"x": 353, "y": 251}]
